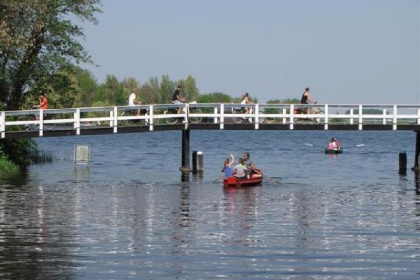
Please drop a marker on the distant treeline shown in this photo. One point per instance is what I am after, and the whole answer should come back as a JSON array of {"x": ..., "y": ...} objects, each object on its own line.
[{"x": 79, "y": 88}]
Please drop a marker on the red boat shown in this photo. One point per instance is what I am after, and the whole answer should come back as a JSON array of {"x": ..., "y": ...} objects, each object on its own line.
[{"x": 255, "y": 179}]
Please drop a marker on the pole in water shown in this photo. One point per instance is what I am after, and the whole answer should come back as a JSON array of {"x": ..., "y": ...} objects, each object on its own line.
[
  {"x": 197, "y": 162},
  {"x": 403, "y": 163},
  {"x": 185, "y": 151},
  {"x": 417, "y": 153}
]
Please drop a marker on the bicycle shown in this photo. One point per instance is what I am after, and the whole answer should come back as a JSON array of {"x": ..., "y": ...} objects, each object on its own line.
[
  {"x": 174, "y": 111},
  {"x": 305, "y": 111},
  {"x": 241, "y": 110},
  {"x": 143, "y": 112},
  {"x": 33, "y": 117}
]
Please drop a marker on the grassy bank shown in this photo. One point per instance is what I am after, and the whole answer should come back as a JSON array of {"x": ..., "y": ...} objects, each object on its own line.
[{"x": 7, "y": 168}]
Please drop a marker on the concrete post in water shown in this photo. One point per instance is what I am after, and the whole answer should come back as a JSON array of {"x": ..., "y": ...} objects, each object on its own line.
[
  {"x": 403, "y": 163},
  {"x": 417, "y": 153},
  {"x": 185, "y": 151},
  {"x": 197, "y": 162}
]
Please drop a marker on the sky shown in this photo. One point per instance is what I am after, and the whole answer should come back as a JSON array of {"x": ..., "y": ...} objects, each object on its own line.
[{"x": 347, "y": 52}]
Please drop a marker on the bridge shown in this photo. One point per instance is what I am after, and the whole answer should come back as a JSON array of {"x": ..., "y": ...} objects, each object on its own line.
[
  {"x": 194, "y": 116},
  {"x": 123, "y": 119}
]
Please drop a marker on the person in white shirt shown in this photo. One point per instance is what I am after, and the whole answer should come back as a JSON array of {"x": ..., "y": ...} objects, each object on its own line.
[{"x": 132, "y": 101}]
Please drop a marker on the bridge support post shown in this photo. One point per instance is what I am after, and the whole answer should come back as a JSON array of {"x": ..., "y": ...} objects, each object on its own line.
[
  {"x": 417, "y": 153},
  {"x": 185, "y": 167}
]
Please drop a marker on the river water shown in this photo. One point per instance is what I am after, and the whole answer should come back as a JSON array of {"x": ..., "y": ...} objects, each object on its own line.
[{"x": 130, "y": 216}]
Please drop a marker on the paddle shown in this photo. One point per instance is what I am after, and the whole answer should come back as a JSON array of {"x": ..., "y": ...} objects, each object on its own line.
[{"x": 312, "y": 145}]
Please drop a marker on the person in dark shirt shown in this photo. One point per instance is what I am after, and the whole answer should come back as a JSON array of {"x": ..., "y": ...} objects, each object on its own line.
[
  {"x": 306, "y": 99},
  {"x": 177, "y": 98}
]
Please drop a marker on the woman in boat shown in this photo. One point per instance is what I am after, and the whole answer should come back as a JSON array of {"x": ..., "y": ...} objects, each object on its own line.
[
  {"x": 227, "y": 166},
  {"x": 331, "y": 145},
  {"x": 240, "y": 170}
]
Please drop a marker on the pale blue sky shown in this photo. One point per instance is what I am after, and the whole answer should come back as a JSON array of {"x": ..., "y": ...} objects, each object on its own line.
[{"x": 354, "y": 51}]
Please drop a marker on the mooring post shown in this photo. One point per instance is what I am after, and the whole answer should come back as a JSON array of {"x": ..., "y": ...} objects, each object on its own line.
[
  {"x": 403, "y": 163},
  {"x": 417, "y": 153},
  {"x": 185, "y": 167}
]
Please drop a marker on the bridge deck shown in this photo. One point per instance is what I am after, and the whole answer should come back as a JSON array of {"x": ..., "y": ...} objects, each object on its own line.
[{"x": 120, "y": 119}]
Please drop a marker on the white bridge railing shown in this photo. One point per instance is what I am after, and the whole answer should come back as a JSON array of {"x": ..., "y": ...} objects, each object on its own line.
[{"x": 290, "y": 115}]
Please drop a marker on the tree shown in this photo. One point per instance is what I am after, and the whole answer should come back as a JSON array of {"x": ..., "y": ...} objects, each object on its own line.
[
  {"x": 167, "y": 88},
  {"x": 37, "y": 40},
  {"x": 215, "y": 97}
]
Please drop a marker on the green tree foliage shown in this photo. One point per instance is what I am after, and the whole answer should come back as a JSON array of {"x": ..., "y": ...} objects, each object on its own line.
[
  {"x": 111, "y": 92},
  {"x": 37, "y": 40},
  {"x": 215, "y": 97},
  {"x": 87, "y": 87},
  {"x": 166, "y": 89},
  {"x": 189, "y": 88}
]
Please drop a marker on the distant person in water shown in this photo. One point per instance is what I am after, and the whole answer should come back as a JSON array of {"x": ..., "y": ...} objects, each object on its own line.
[{"x": 227, "y": 166}]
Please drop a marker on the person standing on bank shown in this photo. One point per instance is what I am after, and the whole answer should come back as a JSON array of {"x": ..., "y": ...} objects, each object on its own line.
[
  {"x": 306, "y": 99},
  {"x": 132, "y": 101},
  {"x": 177, "y": 98}
]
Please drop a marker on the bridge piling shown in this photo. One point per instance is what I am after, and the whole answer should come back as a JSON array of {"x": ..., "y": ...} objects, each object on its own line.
[
  {"x": 417, "y": 153},
  {"x": 185, "y": 164}
]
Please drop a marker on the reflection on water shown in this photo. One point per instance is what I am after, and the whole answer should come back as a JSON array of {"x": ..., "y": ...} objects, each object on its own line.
[{"x": 310, "y": 219}]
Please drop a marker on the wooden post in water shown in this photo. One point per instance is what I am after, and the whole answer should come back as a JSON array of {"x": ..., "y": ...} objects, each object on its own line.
[
  {"x": 403, "y": 163},
  {"x": 185, "y": 168},
  {"x": 417, "y": 153}
]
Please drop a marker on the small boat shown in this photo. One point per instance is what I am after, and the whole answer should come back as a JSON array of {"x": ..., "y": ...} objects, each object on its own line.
[
  {"x": 255, "y": 179},
  {"x": 333, "y": 151}
]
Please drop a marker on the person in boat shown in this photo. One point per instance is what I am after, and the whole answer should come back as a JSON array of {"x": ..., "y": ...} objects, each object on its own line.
[
  {"x": 248, "y": 163},
  {"x": 227, "y": 166},
  {"x": 331, "y": 145},
  {"x": 337, "y": 144},
  {"x": 177, "y": 98},
  {"x": 306, "y": 99},
  {"x": 240, "y": 170},
  {"x": 245, "y": 100}
]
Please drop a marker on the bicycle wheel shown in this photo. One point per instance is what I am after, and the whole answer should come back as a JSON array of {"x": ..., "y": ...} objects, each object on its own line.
[
  {"x": 24, "y": 126},
  {"x": 170, "y": 120},
  {"x": 195, "y": 119},
  {"x": 238, "y": 119}
]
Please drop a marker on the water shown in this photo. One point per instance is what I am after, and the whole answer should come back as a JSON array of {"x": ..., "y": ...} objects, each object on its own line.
[{"x": 129, "y": 215}]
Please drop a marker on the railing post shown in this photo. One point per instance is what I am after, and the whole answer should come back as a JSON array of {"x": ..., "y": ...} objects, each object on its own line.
[
  {"x": 187, "y": 115},
  {"x": 222, "y": 116},
  {"x": 257, "y": 116},
  {"x": 114, "y": 116},
  {"x": 326, "y": 117},
  {"x": 41, "y": 122},
  {"x": 418, "y": 116},
  {"x": 3, "y": 124},
  {"x": 360, "y": 117},
  {"x": 215, "y": 112},
  {"x": 151, "y": 119},
  {"x": 395, "y": 118},
  {"x": 291, "y": 119},
  {"x": 351, "y": 116},
  {"x": 284, "y": 113},
  {"x": 384, "y": 116},
  {"x": 77, "y": 121},
  {"x": 111, "y": 116}
]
